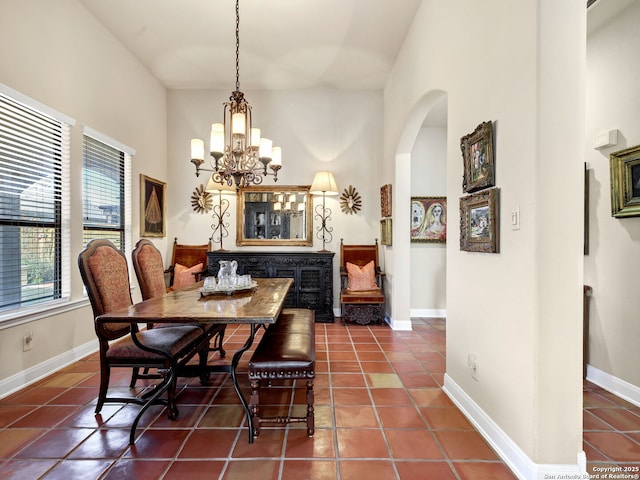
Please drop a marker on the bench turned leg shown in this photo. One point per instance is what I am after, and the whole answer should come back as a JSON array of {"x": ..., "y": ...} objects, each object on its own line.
[
  {"x": 310, "y": 416},
  {"x": 254, "y": 402}
]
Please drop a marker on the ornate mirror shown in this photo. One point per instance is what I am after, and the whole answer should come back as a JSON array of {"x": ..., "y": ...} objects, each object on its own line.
[{"x": 274, "y": 215}]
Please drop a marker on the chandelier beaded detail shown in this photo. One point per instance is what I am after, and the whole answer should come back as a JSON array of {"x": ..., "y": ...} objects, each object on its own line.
[{"x": 240, "y": 157}]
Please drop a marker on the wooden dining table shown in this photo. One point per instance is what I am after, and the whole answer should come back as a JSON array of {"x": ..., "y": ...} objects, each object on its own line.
[{"x": 257, "y": 306}]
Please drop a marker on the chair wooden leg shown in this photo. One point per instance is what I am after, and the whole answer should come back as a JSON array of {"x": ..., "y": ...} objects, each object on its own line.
[
  {"x": 135, "y": 375},
  {"x": 217, "y": 344},
  {"x": 310, "y": 411},
  {"x": 171, "y": 395},
  {"x": 104, "y": 385},
  {"x": 254, "y": 402},
  {"x": 203, "y": 357}
]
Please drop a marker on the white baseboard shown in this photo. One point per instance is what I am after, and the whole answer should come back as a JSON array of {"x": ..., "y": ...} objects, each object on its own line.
[
  {"x": 404, "y": 325},
  {"x": 520, "y": 464},
  {"x": 35, "y": 373},
  {"x": 615, "y": 385},
  {"x": 428, "y": 312}
]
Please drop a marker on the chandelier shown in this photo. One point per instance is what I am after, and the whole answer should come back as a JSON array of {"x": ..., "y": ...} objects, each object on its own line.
[{"x": 240, "y": 156}]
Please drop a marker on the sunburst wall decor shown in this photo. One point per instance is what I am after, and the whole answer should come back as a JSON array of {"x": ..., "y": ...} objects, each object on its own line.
[
  {"x": 350, "y": 201},
  {"x": 201, "y": 200}
]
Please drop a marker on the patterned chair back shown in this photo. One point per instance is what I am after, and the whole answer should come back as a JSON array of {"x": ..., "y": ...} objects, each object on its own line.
[
  {"x": 105, "y": 274},
  {"x": 149, "y": 268}
]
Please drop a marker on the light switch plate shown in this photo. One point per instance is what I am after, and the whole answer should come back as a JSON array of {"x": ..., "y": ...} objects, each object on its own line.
[{"x": 515, "y": 219}]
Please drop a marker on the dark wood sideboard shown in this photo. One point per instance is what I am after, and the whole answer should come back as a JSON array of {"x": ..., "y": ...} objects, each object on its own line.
[{"x": 312, "y": 274}]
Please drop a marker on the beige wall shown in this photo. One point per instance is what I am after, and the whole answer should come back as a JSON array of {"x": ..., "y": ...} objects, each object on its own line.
[
  {"x": 614, "y": 254},
  {"x": 519, "y": 64},
  {"x": 57, "y": 54}
]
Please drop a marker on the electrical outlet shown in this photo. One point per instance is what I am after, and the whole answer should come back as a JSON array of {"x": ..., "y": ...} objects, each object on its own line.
[
  {"x": 472, "y": 363},
  {"x": 27, "y": 341}
]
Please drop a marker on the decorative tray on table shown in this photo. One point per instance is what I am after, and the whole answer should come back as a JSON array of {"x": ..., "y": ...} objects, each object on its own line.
[{"x": 227, "y": 291}]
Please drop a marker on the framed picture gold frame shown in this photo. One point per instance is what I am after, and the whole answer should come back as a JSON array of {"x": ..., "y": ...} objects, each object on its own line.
[
  {"x": 479, "y": 229},
  {"x": 625, "y": 182},
  {"x": 386, "y": 232},
  {"x": 478, "y": 158},
  {"x": 428, "y": 219},
  {"x": 152, "y": 207}
]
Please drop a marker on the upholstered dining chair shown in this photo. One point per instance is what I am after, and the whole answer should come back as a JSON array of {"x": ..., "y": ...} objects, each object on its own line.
[
  {"x": 362, "y": 298},
  {"x": 104, "y": 272},
  {"x": 149, "y": 269},
  {"x": 188, "y": 264}
]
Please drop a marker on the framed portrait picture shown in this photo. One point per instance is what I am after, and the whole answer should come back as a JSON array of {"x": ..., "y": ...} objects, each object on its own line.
[
  {"x": 477, "y": 154},
  {"x": 428, "y": 219},
  {"x": 479, "y": 222},
  {"x": 152, "y": 207},
  {"x": 385, "y": 200},
  {"x": 386, "y": 232},
  {"x": 625, "y": 182}
]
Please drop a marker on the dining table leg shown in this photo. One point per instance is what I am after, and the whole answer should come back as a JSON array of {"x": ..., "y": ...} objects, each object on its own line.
[{"x": 234, "y": 377}]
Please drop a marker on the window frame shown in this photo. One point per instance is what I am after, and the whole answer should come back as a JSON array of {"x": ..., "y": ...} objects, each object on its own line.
[{"x": 61, "y": 221}]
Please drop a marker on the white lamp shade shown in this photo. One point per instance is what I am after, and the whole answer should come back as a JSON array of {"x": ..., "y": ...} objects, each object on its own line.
[
  {"x": 238, "y": 124},
  {"x": 276, "y": 156},
  {"x": 197, "y": 149},
  {"x": 266, "y": 148},
  {"x": 324, "y": 182},
  {"x": 255, "y": 137},
  {"x": 216, "y": 187},
  {"x": 217, "y": 138},
  {"x": 277, "y": 206}
]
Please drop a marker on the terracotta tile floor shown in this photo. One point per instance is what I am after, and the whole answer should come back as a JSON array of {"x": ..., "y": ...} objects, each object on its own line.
[{"x": 380, "y": 414}]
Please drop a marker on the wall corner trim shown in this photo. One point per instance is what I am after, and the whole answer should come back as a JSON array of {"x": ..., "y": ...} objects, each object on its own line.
[{"x": 519, "y": 463}]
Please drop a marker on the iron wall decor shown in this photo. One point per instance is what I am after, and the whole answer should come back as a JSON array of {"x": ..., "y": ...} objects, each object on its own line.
[
  {"x": 625, "y": 182},
  {"x": 152, "y": 207},
  {"x": 428, "y": 219},
  {"x": 479, "y": 222},
  {"x": 477, "y": 153}
]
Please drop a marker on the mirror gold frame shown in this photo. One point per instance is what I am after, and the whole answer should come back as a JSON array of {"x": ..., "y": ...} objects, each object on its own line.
[{"x": 259, "y": 223}]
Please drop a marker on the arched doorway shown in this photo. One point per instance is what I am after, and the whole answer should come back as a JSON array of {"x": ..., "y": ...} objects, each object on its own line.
[{"x": 401, "y": 255}]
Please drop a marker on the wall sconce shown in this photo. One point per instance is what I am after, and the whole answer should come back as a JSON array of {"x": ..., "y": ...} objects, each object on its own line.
[
  {"x": 324, "y": 184},
  {"x": 219, "y": 227}
]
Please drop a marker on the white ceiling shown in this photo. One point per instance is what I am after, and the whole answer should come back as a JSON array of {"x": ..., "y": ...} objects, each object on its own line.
[{"x": 284, "y": 44}]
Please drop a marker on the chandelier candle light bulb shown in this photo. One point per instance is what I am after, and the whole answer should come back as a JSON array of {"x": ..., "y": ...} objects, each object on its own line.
[
  {"x": 197, "y": 149},
  {"x": 266, "y": 148},
  {"x": 255, "y": 138},
  {"x": 217, "y": 138}
]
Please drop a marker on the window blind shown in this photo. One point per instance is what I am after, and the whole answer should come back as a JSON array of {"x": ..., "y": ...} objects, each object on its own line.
[
  {"x": 32, "y": 165},
  {"x": 103, "y": 182}
]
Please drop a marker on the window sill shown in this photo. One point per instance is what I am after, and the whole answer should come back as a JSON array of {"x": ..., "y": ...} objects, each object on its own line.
[{"x": 25, "y": 315}]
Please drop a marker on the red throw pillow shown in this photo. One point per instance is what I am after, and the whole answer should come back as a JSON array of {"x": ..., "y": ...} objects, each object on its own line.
[
  {"x": 183, "y": 276},
  {"x": 361, "y": 278}
]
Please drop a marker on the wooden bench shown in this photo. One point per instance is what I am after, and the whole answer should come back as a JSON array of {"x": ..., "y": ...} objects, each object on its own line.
[{"x": 285, "y": 352}]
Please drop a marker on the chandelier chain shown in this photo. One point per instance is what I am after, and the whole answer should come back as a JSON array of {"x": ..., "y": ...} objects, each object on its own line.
[
  {"x": 236, "y": 158},
  {"x": 237, "y": 44}
]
